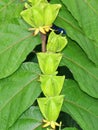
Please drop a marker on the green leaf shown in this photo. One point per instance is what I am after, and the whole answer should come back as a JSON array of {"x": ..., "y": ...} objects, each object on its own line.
[
  {"x": 30, "y": 120},
  {"x": 84, "y": 71},
  {"x": 67, "y": 21},
  {"x": 34, "y": 2},
  {"x": 40, "y": 128},
  {"x": 69, "y": 128},
  {"x": 17, "y": 93},
  {"x": 51, "y": 85},
  {"x": 82, "y": 108},
  {"x": 50, "y": 107},
  {"x": 49, "y": 62},
  {"x": 15, "y": 40},
  {"x": 10, "y": 10},
  {"x": 56, "y": 43},
  {"x": 86, "y": 14}
]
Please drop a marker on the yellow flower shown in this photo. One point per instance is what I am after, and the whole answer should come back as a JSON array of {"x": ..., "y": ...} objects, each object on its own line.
[
  {"x": 52, "y": 124},
  {"x": 41, "y": 16},
  {"x": 43, "y": 30}
]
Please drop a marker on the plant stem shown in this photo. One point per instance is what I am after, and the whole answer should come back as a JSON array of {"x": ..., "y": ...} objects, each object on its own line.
[{"x": 43, "y": 38}]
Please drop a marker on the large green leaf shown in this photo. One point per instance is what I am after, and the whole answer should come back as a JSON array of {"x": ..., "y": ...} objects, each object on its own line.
[
  {"x": 70, "y": 128},
  {"x": 30, "y": 120},
  {"x": 83, "y": 108},
  {"x": 66, "y": 20},
  {"x": 15, "y": 40},
  {"x": 9, "y": 10},
  {"x": 86, "y": 14},
  {"x": 17, "y": 93},
  {"x": 84, "y": 71}
]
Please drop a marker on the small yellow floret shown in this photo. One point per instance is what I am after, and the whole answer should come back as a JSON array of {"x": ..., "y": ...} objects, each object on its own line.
[
  {"x": 43, "y": 30},
  {"x": 52, "y": 124}
]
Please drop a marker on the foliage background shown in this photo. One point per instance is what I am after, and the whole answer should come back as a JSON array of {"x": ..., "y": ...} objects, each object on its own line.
[{"x": 19, "y": 86}]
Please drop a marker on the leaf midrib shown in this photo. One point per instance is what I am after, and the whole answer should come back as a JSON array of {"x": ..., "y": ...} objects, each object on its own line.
[
  {"x": 91, "y": 7},
  {"x": 12, "y": 45},
  {"x": 9, "y": 3},
  {"x": 81, "y": 107},
  {"x": 67, "y": 21},
  {"x": 80, "y": 66},
  {"x": 18, "y": 92}
]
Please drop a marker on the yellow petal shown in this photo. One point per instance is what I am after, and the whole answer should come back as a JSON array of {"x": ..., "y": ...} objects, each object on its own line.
[
  {"x": 36, "y": 31},
  {"x": 53, "y": 124},
  {"x": 47, "y": 29},
  {"x": 45, "y": 121},
  {"x": 57, "y": 124},
  {"x": 42, "y": 30},
  {"x": 30, "y": 29},
  {"x": 47, "y": 124}
]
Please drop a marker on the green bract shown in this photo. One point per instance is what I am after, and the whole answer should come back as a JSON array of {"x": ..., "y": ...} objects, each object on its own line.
[
  {"x": 33, "y": 16},
  {"x": 51, "y": 85},
  {"x": 50, "y": 13},
  {"x": 56, "y": 42},
  {"x": 51, "y": 106},
  {"x": 49, "y": 62},
  {"x": 42, "y": 14}
]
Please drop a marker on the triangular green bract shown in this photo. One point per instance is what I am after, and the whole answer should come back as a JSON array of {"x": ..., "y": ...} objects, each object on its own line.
[
  {"x": 56, "y": 43},
  {"x": 49, "y": 62},
  {"x": 50, "y": 13},
  {"x": 43, "y": 16},
  {"x": 51, "y": 85},
  {"x": 50, "y": 107}
]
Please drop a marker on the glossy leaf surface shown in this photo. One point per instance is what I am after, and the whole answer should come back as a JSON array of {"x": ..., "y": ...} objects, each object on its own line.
[
  {"x": 84, "y": 71},
  {"x": 67, "y": 20},
  {"x": 15, "y": 40},
  {"x": 30, "y": 120},
  {"x": 34, "y": 2},
  {"x": 80, "y": 106},
  {"x": 17, "y": 93},
  {"x": 69, "y": 128},
  {"x": 81, "y": 9}
]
